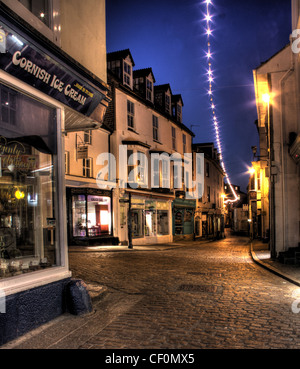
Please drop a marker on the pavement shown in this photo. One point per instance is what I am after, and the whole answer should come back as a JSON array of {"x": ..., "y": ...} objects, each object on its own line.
[
  {"x": 261, "y": 255},
  {"x": 69, "y": 331}
]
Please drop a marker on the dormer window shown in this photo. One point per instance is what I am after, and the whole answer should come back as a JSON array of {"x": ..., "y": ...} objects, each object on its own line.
[
  {"x": 127, "y": 74},
  {"x": 184, "y": 143},
  {"x": 114, "y": 67},
  {"x": 179, "y": 113},
  {"x": 149, "y": 90}
]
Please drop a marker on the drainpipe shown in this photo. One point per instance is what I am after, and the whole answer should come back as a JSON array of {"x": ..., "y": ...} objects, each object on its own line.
[{"x": 282, "y": 132}]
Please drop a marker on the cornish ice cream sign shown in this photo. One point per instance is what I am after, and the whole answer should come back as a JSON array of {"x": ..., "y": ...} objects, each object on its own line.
[{"x": 41, "y": 71}]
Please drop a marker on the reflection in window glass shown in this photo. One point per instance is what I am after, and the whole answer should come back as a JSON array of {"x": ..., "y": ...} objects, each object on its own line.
[
  {"x": 99, "y": 216},
  {"x": 137, "y": 224},
  {"x": 150, "y": 223},
  {"x": 162, "y": 222},
  {"x": 40, "y": 8},
  {"x": 79, "y": 215},
  {"x": 28, "y": 204}
]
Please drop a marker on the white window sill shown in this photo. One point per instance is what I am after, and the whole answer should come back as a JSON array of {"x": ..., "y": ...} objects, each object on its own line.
[{"x": 28, "y": 281}]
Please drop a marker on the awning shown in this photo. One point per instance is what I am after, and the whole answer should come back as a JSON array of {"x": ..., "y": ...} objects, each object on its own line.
[{"x": 75, "y": 121}]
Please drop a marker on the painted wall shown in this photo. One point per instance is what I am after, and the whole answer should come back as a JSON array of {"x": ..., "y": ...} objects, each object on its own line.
[
  {"x": 282, "y": 83},
  {"x": 83, "y": 34}
]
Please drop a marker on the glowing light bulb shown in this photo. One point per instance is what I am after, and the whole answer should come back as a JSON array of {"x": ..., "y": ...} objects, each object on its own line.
[
  {"x": 208, "y": 18},
  {"x": 266, "y": 98}
]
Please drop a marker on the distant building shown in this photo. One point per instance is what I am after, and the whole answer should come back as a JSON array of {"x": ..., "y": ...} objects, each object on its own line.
[
  {"x": 209, "y": 214},
  {"x": 237, "y": 213}
]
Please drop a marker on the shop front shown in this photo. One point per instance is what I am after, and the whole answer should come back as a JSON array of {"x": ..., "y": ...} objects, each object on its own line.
[
  {"x": 150, "y": 219},
  {"x": 90, "y": 217},
  {"x": 34, "y": 270},
  {"x": 183, "y": 219}
]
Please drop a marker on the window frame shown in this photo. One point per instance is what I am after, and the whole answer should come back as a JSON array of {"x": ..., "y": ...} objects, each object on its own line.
[
  {"x": 87, "y": 137},
  {"x": 168, "y": 103},
  {"x": 67, "y": 162},
  {"x": 173, "y": 138},
  {"x": 130, "y": 115},
  {"x": 149, "y": 90},
  {"x": 53, "y": 33},
  {"x": 184, "y": 143},
  {"x": 127, "y": 74},
  {"x": 27, "y": 281},
  {"x": 155, "y": 128},
  {"x": 87, "y": 168}
]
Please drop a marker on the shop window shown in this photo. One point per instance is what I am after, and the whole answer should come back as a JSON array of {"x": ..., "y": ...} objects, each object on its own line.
[
  {"x": 79, "y": 215},
  {"x": 137, "y": 223},
  {"x": 98, "y": 216},
  {"x": 150, "y": 223},
  {"x": 162, "y": 222},
  {"x": 91, "y": 215},
  {"x": 42, "y": 9},
  {"x": 8, "y": 106},
  {"x": 29, "y": 226},
  {"x": 178, "y": 222}
]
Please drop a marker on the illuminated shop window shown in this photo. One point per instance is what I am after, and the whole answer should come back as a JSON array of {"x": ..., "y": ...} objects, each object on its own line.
[
  {"x": 29, "y": 228},
  {"x": 91, "y": 215}
]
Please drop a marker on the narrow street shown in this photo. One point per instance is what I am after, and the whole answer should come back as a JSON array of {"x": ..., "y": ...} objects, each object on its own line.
[{"x": 206, "y": 295}]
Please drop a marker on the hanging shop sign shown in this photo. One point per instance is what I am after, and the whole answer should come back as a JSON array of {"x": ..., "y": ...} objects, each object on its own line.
[
  {"x": 82, "y": 152},
  {"x": 31, "y": 65}
]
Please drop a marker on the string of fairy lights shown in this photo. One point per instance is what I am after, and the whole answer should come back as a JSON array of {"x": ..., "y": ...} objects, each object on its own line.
[{"x": 208, "y": 19}]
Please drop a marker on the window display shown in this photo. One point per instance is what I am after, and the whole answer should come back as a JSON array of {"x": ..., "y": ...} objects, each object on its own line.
[
  {"x": 91, "y": 215},
  {"x": 28, "y": 204},
  {"x": 149, "y": 218}
]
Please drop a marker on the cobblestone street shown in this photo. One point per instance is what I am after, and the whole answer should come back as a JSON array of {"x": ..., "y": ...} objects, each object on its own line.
[
  {"x": 208, "y": 295},
  {"x": 191, "y": 296}
]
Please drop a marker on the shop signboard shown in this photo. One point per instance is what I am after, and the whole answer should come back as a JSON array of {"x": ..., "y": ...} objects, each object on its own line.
[
  {"x": 82, "y": 152},
  {"x": 34, "y": 67}
]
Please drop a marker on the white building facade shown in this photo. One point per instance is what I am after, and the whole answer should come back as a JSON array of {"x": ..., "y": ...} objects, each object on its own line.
[
  {"x": 278, "y": 117},
  {"x": 146, "y": 121},
  {"x": 48, "y": 88}
]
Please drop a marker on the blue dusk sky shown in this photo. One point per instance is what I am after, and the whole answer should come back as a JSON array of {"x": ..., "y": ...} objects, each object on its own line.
[{"x": 169, "y": 36}]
